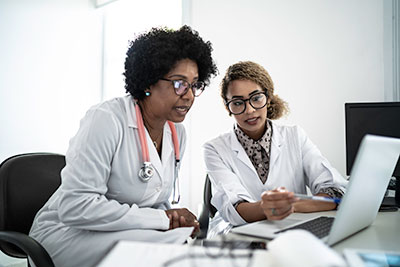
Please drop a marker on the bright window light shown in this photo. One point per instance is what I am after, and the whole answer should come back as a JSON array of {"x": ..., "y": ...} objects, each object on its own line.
[{"x": 123, "y": 20}]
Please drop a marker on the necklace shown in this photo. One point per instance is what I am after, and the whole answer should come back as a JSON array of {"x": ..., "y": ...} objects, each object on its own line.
[
  {"x": 155, "y": 140},
  {"x": 148, "y": 129}
]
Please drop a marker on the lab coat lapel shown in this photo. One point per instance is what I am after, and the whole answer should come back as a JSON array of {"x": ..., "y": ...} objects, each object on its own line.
[
  {"x": 240, "y": 152},
  {"x": 167, "y": 145},
  {"x": 276, "y": 146}
]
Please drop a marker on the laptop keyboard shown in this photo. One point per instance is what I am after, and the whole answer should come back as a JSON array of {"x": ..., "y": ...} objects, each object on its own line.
[{"x": 319, "y": 226}]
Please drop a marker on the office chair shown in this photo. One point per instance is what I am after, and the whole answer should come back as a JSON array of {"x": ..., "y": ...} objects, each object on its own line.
[
  {"x": 26, "y": 182},
  {"x": 208, "y": 210}
]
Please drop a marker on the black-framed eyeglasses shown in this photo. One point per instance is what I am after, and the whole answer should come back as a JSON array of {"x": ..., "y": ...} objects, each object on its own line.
[
  {"x": 182, "y": 86},
  {"x": 238, "y": 106}
]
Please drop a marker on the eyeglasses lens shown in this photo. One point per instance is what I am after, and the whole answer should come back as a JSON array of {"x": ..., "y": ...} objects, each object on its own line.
[
  {"x": 258, "y": 101},
  {"x": 238, "y": 106},
  {"x": 181, "y": 87}
]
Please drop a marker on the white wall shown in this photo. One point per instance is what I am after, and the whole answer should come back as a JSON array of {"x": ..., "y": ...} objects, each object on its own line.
[
  {"x": 49, "y": 75},
  {"x": 49, "y": 72},
  {"x": 320, "y": 54}
]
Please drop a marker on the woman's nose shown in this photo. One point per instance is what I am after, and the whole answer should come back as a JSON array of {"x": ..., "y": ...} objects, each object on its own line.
[
  {"x": 249, "y": 108},
  {"x": 189, "y": 94}
]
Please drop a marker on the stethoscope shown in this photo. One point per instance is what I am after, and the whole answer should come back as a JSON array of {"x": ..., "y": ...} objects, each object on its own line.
[{"x": 147, "y": 170}]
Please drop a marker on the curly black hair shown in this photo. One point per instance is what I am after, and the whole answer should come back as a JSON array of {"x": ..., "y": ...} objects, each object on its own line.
[{"x": 154, "y": 53}]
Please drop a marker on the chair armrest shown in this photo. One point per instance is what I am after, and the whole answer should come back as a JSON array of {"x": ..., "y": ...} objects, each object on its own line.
[{"x": 30, "y": 246}]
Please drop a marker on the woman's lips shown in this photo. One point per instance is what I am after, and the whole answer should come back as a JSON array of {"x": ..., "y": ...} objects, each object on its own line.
[
  {"x": 182, "y": 110},
  {"x": 252, "y": 121}
]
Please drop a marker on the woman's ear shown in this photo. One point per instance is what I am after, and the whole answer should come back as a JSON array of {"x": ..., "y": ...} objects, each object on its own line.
[
  {"x": 227, "y": 109},
  {"x": 269, "y": 102},
  {"x": 147, "y": 92}
]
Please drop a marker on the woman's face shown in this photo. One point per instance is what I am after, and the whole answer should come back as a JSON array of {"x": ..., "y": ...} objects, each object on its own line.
[
  {"x": 164, "y": 103},
  {"x": 251, "y": 121}
]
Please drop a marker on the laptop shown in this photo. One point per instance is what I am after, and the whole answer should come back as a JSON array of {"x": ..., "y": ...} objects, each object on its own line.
[{"x": 373, "y": 167}]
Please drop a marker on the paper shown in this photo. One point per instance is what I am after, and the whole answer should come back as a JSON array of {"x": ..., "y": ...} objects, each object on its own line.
[{"x": 129, "y": 253}]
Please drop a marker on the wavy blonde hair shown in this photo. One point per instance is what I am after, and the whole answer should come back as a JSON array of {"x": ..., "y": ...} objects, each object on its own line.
[{"x": 248, "y": 70}]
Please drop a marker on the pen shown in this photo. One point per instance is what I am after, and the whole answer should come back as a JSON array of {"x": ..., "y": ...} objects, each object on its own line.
[{"x": 319, "y": 198}]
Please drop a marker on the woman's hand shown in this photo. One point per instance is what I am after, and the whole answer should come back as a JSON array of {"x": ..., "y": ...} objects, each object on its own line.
[
  {"x": 277, "y": 203},
  {"x": 183, "y": 218},
  {"x": 313, "y": 206}
]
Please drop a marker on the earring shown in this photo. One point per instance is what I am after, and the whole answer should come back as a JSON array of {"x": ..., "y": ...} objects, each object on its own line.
[{"x": 147, "y": 93}]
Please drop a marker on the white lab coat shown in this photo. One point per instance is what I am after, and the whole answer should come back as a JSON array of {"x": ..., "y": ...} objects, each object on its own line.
[
  {"x": 101, "y": 198},
  {"x": 295, "y": 163}
]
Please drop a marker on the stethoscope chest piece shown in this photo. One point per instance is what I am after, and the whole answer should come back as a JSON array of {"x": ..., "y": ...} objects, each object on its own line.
[{"x": 146, "y": 172}]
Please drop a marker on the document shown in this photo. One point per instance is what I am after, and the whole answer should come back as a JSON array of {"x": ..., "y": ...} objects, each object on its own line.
[{"x": 129, "y": 253}]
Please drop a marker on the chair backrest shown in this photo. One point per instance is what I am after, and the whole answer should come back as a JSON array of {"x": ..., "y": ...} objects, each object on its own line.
[
  {"x": 26, "y": 182},
  {"x": 207, "y": 197}
]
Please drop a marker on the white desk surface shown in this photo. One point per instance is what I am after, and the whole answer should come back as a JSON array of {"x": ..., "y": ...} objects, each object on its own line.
[
  {"x": 129, "y": 253},
  {"x": 383, "y": 234}
]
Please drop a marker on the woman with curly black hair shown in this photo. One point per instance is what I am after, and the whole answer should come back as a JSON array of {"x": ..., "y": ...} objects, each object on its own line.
[{"x": 121, "y": 167}]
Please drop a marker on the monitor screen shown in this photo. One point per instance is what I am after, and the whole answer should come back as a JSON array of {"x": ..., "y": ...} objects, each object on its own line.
[{"x": 370, "y": 118}]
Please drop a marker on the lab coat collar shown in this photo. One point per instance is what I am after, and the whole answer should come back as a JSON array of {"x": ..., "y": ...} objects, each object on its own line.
[
  {"x": 276, "y": 147},
  {"x": 130, "y": 112},
  {"x": 240, "y": 152}
]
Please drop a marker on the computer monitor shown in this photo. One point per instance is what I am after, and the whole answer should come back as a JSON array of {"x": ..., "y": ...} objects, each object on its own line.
[{"x": 379, "y": 118}]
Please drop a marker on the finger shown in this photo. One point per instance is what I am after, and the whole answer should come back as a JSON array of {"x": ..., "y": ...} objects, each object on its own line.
[
  {"x": 189, "y": 216},
  {"x": 279, "y": 214},
  {"x": 170, "y": 221},
  {"x": 196, "y": 225},
  {"x": 284, "y": 214},
  {"x": 175, "y": 220},
  {"x": 196, "y": 229},
  {"x": 175, "y": 215},
  {"x": 275, "y": 195},
  {"x": 182, "y": 221},
  {"x": 283, "y": 205}
]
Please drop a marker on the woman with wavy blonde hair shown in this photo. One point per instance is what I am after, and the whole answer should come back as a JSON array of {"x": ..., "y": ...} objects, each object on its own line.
[{"x": 256, "y": 168}]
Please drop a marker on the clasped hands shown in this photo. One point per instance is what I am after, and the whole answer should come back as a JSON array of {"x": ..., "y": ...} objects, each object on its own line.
[
  {"x": 182, "y": 218},
  {"x": 277, "y": 204}
]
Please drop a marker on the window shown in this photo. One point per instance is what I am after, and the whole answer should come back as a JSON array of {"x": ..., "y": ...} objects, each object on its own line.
[{"x": 123, "y": 20}]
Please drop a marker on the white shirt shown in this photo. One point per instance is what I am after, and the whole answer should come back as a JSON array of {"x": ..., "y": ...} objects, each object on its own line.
[
  {"x": 101, "y": 191},
  {"x": 295, "y": 163}
]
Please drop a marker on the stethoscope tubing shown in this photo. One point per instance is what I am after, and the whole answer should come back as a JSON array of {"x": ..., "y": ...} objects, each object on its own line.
[
  {"x": 146, "y": 172},
  {"x": 142, "y": 136}
]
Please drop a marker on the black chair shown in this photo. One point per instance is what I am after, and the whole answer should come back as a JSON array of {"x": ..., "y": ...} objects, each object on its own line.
[
  {"x": 208, "y": 210},
  {"x": 26, "y": 182}
]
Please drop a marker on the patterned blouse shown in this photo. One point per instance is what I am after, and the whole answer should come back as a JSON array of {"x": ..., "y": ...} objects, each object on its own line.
[{"x": 259, "y": 152}]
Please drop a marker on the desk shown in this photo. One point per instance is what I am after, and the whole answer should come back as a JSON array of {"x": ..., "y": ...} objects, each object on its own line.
[
  {"x": 383, "y": 234},
  {"x": 130, "y": 253}
]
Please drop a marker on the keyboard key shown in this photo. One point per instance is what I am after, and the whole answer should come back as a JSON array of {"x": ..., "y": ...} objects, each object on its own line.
[{"x": 319, "y": 226}]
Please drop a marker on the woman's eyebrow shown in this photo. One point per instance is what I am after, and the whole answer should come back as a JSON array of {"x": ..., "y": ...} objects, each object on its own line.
[
  {"x": 250, "y": 94},
  {"x": 255, "y": 91},
  {"x": 181, "y": 76}
]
